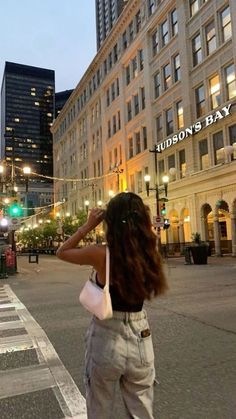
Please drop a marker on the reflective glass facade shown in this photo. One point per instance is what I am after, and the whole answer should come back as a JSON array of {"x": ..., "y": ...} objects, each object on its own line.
[{"x": 27, "y": 103}]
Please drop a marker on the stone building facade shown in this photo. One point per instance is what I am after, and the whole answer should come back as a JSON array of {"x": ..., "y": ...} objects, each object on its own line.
[{"x": 164, "y": 78}]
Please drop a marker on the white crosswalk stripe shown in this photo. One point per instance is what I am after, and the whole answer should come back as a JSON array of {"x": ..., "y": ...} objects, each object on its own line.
[{"x": 49, "y": 373}]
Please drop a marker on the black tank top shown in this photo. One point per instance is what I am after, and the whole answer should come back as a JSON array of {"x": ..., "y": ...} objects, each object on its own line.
[{"x": 118, "y": 304}]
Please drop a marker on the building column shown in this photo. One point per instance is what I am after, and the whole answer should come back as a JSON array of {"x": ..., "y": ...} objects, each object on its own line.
[
  {"x": 233, "y": 232},
  {"x": 204, "y": 229},
  {"x": 217, "y": 235},
  {"x": 181, "y": 235}
]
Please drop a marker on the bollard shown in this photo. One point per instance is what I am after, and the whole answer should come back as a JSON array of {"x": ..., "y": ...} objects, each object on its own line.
[
  {"x": 187, "y": 255},
  {"x": 3, "y": 269}
]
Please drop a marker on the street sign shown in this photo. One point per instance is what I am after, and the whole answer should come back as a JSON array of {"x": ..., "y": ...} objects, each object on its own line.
[
  {"x": 14, "y": 224},
  {"x": 156, "y": 219}
]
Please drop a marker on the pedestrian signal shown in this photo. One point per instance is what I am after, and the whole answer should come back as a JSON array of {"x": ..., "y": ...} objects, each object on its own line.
[{"x": 166, "y": 223}]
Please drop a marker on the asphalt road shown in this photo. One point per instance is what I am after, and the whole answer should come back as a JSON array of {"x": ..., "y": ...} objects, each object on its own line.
[{"x": 194, "y": 334}]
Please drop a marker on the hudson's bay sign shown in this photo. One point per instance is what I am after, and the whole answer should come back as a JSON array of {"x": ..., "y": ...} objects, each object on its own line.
[{"x": 193, "y": 129}]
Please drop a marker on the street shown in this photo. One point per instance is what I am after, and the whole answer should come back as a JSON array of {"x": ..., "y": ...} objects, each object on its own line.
[{"x": 194, "y": 335}]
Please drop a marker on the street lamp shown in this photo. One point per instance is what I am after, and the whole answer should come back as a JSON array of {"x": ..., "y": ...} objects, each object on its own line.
[
  {"x": 86, "y": 203},
  {"x": 26, "y": 171},
  {"x": 99, "y": 203},
  {"x": 110, "y": 193}
]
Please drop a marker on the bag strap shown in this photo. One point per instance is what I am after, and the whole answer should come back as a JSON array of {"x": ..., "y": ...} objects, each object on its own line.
[{"x": 107, "y": 266}]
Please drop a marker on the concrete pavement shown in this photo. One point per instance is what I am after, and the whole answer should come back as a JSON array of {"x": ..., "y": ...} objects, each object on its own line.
[{"x": 193, "y": 330}]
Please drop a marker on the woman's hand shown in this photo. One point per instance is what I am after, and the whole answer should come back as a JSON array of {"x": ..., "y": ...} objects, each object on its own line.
[{"x": 96, "y": 216}]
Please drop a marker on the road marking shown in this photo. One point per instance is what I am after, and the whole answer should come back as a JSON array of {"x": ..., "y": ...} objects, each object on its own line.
[
  {"x": 15, "y": 324},
  {"x": 67, "y": 393}
]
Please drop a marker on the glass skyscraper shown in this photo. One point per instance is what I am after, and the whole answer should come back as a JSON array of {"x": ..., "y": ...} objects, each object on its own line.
[{"x": 27, "y": 113}]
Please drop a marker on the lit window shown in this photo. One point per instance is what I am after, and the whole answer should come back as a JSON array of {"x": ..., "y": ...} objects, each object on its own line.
[
  {"x": 33, "y": 94},
  {"x": 197, "y": 50},
  {"x": 33, "y": 89},
  {"x": 17, "y": 119},
  {"x": 134, "y": 67},
  {"x": 167, "y": 76},
  {"x": 210, "y": 38},
  {"x": 36, "y": 103},
  {"x": 180, "y": 114},
  {"x": 49, "y": 114},
  {"x": 131, "y": 148},
  {"x": 232, "y": 137},
  {"x": 215, "y": 91},
  {"x": 200, "y": 101},
  {"x": 182, "y": 163},
  {"x": 230, "y": 81},
  {"x": 203, "y": 154},
  {"x": 226, "y": 24}
]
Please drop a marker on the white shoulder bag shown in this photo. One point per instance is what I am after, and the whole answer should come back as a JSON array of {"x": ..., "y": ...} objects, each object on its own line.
[{"x": 95, "y": 299}]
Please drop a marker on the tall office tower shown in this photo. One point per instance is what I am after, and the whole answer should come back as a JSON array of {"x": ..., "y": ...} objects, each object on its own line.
[
  {"x": 107, "y": 12},
  {"x": 27, "y": 113}
]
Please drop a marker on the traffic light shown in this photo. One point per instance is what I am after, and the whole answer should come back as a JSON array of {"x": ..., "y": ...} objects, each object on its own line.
[
  {"x": 15, "y": 209},
  {"x": 163, "y": 209}
]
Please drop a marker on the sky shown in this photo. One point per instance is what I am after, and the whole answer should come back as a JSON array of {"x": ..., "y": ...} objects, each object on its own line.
[{"x": 56, "y": 34}]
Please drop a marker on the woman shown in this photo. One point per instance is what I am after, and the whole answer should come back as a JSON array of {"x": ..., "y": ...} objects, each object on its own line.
[{"x": 120, "y": 350}]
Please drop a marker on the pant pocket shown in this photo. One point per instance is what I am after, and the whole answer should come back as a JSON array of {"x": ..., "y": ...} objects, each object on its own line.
[{"x": 146, "y": 350}]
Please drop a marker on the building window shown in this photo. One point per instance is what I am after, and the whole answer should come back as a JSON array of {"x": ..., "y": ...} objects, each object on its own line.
[
  {"x": 141, "y": 59},
  {"x": 194, "y": 7},
  {"x": 115, "y": 156},
  {"x": 182, "y": 163},
  {"x": 200, "y": 101},
  {"x": 226, "y": 24},
  {"x": 138, "y": 142},
  {"x": 143, "y": 98},
  {"x": 232, "y": 138},
  {"x": 171, "y": 164},
  {"x": 129, "y": 110},
  {"x": 169, "y": 122},
  {"x": 124, "y": 40},
  {"x": 164, "y": 33},
  {"x": 177, "y": 67},
  {"x": 117, "y": 87},
  {"x": 134, "y": 67},
  {"x": 119, "y": 123},
  {"x": 174, "y": 22},
  {"x": 203, "y": 154},
  {"x": 113, "y": 93},
  {"x": 159, "y": 128},
  {"x": 127, "y": 75},
  {"x": 144, "y": 132},
  {"x": 105, "y": 67},
  {"x": 115, "y": 53},
  {"x": 218, "y": 145},
  {"x": 167, "y": 76},
  {"x": 132, "y": 184},
  {"x": 197, "y": 50},
  {"x": 215, "y": 91},
  {"x": 230, "y": 81},
  {"x": 139, "y": 182},
  {"x": 138, "y": 21},
  {"x": 210, "y": 38},
  {"x": 109, "y": 129},
  {"x": 131, "y": 31},
  {"x": 108, "y": 97},
  {"x": 136, "y": 105},
  {"x": 110, "y": 60},
  {"x": 151, "y": 7},
  {"x": 180, "y": 114},
  {"x": 157, "y": 85},
  {"x": 131, "y": 147},
  {"x": 114, "y": 123},
  {"x": 155, "y": 43}
]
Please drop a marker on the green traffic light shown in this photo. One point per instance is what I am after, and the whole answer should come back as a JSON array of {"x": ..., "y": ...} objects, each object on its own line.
[{"x": 15, "y": 210}]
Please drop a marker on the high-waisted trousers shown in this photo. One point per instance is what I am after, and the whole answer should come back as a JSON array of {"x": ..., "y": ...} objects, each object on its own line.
[{"x": 118, "y": 352}]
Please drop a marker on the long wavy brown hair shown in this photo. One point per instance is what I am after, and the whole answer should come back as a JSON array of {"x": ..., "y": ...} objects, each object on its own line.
[{"x": 135, "y": 264}]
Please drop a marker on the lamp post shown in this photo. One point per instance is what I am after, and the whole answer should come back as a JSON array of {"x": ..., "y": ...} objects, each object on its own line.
[
  {"x": 1, "y": 177},
  {"x": 86, "y": 203},
  {"x": 165, "y": 180},
  {"x": 118, "y": 172},
  {"x": 26, "y": 171}
]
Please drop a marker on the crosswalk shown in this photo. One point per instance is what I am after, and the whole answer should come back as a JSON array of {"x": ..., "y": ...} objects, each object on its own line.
[{"x": 40, "y": 368}]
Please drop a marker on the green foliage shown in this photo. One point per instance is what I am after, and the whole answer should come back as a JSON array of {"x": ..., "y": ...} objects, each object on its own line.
[{"x": 196, "y": 238}]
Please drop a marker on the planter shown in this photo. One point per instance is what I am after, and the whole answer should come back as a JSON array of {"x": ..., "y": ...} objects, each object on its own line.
[{"x": 199, "y": 254}]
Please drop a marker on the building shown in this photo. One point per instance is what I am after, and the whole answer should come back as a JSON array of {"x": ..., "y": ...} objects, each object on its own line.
[
  {"x": 27, "y": 113},
  {"x": 107, "y": 12},
  {"x": 60, "y": 100},
  {"x": 154, "y": 85}
]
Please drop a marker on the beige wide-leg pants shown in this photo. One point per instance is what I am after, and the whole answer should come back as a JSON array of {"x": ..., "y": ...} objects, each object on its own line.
[{"x": 116, "y": 352}]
